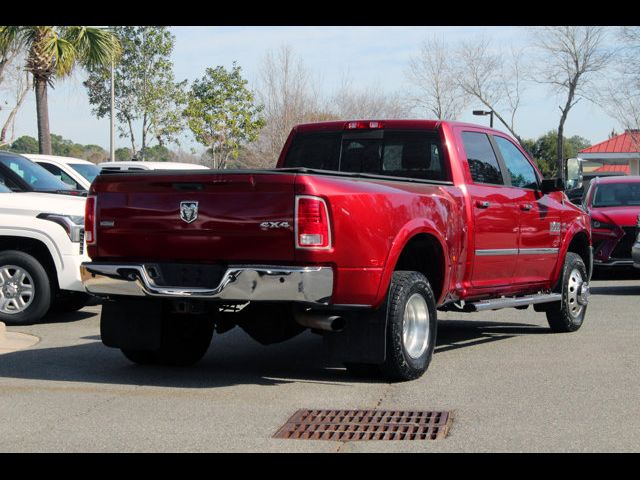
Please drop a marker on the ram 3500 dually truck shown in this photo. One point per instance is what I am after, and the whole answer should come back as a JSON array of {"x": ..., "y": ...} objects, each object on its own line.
[{"x": 362, "y": 232}]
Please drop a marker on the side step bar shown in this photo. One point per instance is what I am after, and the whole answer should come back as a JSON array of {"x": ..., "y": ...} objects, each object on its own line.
[{"x": 508, "y": 302}]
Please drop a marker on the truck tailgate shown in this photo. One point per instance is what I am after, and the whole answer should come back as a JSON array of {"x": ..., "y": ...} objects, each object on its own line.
[{"x": 240, "y": 217}]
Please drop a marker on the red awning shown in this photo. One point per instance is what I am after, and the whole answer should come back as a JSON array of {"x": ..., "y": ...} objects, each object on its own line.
[
  {"x": 627, "y": 142},
  {"x": 613, "y": 168}
]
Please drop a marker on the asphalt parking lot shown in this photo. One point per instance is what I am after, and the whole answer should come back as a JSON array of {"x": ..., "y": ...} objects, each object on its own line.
[{"x": 510, "y": 383}]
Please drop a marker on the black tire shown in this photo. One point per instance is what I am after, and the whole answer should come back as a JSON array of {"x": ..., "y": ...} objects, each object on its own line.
[
  {"x": 41, "y": 297},
  {"x": 185, "y": 340},
  {"x": 362, "y": 370},
  {"x": 70, "y": 302},
  {"x": 399, "y": 364},
  {"x": 141, "y": 357},
  {"x": 565, "y": 316}
]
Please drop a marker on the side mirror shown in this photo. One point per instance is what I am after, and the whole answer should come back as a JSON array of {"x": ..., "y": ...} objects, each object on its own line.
[
  {"x": 573, "y": 173},
  {"x": 549, "y": 185}
]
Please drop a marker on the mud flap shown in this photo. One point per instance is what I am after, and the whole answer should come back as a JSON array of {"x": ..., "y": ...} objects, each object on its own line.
[
  {"x": 132, "y": 324},
  {"x": 363, "y": 339}
]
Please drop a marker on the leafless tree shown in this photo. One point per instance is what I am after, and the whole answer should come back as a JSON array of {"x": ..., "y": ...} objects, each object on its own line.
[
  {"x": 485, "y": 74},
  {"x": 571, "y": 58},
  {"x": 366, "y": 102},
  {"x": 286, "y": 89},
  {"x": 620, "y": 94},
  {"x": 433, "y": 74},
  {"x": 15, "y": 84}
]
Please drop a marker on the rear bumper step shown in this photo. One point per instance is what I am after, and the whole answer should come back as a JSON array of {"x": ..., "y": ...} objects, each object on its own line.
[
  {"x": 498, "y": 303},
  {"x": 312, "y": 285}
]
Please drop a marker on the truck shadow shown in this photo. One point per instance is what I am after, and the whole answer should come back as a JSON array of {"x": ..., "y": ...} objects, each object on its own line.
[
  {"x": 621, "y": 290},
  {"x": 233, "y": 359},
  {"x": 455, "y": 334}
]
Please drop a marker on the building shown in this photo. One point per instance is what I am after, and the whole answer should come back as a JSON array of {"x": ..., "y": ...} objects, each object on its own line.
[{"x": 620, "y": 155}]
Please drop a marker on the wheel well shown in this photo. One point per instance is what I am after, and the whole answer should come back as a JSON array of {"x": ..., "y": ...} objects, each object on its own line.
[
  {"x": 580, "y": 245},
  {"x": 423, "y": 253},
  {"x": 36, "y": 249}
]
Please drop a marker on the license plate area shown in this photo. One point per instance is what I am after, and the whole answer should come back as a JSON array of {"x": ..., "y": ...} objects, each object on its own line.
[{"x": 185, "y": 274}]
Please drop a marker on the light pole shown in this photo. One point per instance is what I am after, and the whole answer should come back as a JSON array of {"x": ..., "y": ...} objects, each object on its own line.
[
  {"x": 113, "y": 119},
  {"x": 485, "y": 112}
]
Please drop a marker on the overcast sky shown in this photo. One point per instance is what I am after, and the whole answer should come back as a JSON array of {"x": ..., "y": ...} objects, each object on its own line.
[{"x": 368, "y": 55}]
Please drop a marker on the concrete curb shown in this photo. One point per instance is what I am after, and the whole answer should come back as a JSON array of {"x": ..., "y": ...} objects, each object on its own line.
[{"x": 12, "y": 341}]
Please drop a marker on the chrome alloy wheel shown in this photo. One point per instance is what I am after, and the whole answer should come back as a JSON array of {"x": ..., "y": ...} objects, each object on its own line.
[
  {"x": 577, "y": 293},
  {"x": 415, "y": 326},
  {"x": 16, "y": 289}
]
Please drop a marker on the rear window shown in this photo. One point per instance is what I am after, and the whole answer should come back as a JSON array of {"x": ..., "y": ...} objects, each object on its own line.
[{"x": 408, "y": 154}]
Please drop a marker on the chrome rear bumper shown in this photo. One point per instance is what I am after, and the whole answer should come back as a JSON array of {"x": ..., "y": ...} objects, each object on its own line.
[{"x": 239, "y": 283}]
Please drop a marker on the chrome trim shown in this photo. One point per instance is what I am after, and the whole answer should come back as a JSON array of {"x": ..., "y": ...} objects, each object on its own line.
[
  {"x": 496, "y": 251},
  {"x": 515, "y": 251},
  {"x": 506, "y": 302},
  {"x": 537, "y": 251},
  {"x": 614, "y": 263},
  {"x": 239, "y": 283}
]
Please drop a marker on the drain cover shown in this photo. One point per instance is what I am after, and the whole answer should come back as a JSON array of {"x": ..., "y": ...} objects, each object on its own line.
[{"x": 352, "y": 425}]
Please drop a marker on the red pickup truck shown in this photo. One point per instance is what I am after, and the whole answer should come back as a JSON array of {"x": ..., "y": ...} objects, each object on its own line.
[{"x": 362, "y": 232}]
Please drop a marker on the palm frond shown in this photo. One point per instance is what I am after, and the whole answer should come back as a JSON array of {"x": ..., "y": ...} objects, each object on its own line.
[
  {"x": 95, "y": 47},
  {"x": 12, "y": 37}
]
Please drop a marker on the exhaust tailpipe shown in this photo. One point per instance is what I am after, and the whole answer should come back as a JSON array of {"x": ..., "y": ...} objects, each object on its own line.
[{"x": 319, "y": 321}]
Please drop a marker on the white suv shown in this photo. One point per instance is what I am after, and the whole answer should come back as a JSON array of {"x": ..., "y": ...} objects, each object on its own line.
[
  {"x": 41, "y": 249},
  {"x": 74, "y": 171}
]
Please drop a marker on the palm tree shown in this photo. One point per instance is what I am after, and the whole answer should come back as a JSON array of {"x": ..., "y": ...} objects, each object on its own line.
[{"x": 52, "y": 53}]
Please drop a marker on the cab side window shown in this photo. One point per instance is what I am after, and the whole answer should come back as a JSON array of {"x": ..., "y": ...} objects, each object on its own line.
[
  {"x": 483, "y": 163},
  {"x": 521, "y": 171},
  {"x": 61, "y": 174}
]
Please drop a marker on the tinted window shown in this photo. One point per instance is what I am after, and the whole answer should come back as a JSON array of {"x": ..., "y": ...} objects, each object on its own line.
[
  {"x": 37, "y": 177},
  {"x": 8, "y": 183},
  {"x": 3, "y": 187},
  {"x": 61, "y": 174},
  {"x": 483, "y": 163},
  {"x": 410, "y": 154},
  {"x": 617, "y": 195},
  {"x": 90, "y": 172},
  {"x": 522, "y": 173},
  {"x": 315, "y": 150}
]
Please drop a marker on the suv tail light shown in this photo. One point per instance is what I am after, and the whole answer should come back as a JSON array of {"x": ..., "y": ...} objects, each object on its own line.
[
  {"x": 90, "y": 220},
  {"x": 312, "y": 223}
]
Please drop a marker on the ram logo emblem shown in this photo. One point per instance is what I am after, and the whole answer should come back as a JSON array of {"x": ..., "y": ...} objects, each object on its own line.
[{"x": 188, "y": 211}]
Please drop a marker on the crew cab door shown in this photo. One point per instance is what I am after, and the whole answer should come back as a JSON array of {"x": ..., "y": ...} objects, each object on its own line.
[
  {"x": 538, "y": 216},
  {"x": 495, "y": 214}
]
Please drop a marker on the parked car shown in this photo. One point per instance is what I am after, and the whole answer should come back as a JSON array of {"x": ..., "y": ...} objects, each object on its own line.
[
  {"x": 41, "y": 249},
  {"x": 144, "y": 165},
  {"x": 613, "y": 204},
  {"x": 75, "y": 172},
  {"x": 362, "y": 232},
  {"x": 20, "y": 174},
  {"x": 635, "y": 250}
]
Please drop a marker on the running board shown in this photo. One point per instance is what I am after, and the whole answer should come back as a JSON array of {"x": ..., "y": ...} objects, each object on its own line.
[{"x": 508, "y": 302}]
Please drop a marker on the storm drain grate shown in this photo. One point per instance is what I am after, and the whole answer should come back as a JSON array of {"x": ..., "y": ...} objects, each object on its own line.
[{"x": 352, "y": 425}]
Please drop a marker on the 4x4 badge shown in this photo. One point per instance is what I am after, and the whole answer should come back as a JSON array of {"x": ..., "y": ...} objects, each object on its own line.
[{"x": 188, "y": 210}]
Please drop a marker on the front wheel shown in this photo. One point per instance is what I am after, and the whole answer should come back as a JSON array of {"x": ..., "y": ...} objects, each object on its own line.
[
  {"x": 568, "y": 314},
  {"x": 411, "y": 327}
]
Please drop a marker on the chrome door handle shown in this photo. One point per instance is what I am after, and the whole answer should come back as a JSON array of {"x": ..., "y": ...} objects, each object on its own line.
[
  {"x": 482, "y": 204},
  {"x": 526, "y": 206}
]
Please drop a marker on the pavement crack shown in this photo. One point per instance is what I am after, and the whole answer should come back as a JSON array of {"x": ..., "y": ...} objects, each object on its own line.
[{"x": 382, "y": 398}]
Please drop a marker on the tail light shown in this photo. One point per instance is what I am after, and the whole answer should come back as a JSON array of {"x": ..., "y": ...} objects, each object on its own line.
[
  {"x": 312, "y": 223},
  {"x": 90, "y": 220}
]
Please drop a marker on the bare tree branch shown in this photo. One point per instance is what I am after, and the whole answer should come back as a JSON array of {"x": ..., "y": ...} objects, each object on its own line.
[{"x": 433, "y": 74}]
